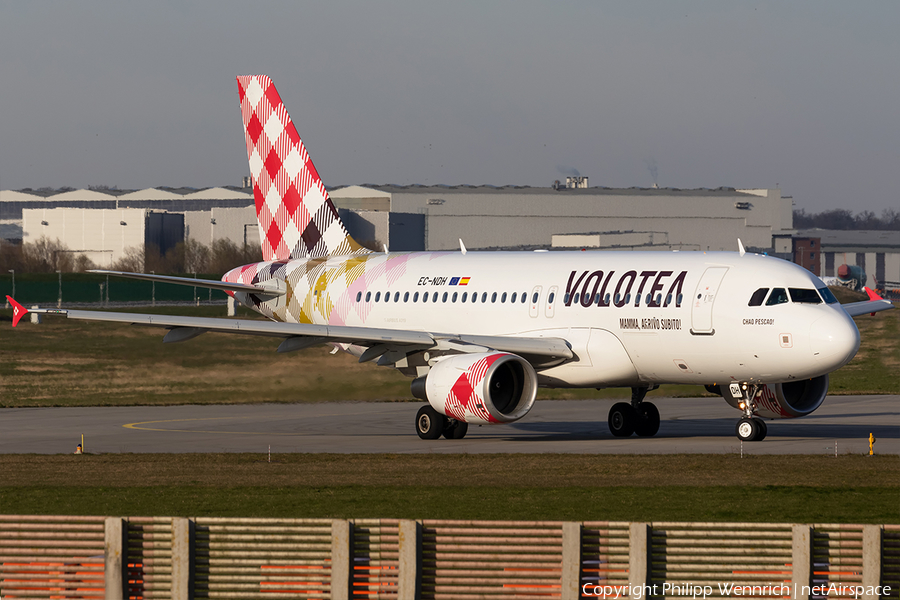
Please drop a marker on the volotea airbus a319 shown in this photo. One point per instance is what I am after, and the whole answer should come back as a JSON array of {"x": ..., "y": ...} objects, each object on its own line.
[{"x": 479, "y": 332}]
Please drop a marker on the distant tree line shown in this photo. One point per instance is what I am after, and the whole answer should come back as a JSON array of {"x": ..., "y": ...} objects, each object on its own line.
[
  {"x": 842, "y": 218},
  {"x": 190, "y": 256}
]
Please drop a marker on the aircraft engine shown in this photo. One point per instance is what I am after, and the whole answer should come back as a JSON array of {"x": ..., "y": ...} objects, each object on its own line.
[
  {"x": 789, "y": 400},
  {"x": 487, "y": 387}
]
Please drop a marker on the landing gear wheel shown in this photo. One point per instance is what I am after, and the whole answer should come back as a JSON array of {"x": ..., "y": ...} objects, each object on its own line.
[
  {"x": 763, "y": 429},
  {"x": 647, "y": 422},
  {"x": 621, "y": 420},
  {"x": 429, "y": 423},
  {"x": 747, "y": 430},
  {"x": 455, "y": 430}
]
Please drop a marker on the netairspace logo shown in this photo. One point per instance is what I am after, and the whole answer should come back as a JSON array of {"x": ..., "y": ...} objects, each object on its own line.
[{"x": 693, "y": 591}]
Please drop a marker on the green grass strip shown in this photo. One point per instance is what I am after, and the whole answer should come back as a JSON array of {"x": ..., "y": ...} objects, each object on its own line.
[{"x": 675, "y": 503}]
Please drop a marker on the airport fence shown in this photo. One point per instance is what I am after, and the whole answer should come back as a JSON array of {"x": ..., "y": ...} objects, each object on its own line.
[
  {"x": 68, "y": 289},
  {"x": 181, "y": 558}
]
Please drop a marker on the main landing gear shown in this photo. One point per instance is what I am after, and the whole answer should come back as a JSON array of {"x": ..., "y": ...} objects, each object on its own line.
[
  {"x": 637, "y": 417},
  {"x": 750, "y": 428},
  {"x": 430, "y": 425}
]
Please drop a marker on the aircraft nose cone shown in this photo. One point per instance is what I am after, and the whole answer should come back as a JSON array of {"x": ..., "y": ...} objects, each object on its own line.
[{"x": 834, "y": 340}]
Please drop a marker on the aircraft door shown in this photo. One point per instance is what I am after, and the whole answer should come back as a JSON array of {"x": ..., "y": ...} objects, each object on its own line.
[
  {"x": 551, "y": 301},
  {"x": 704, "y": 298},
  {"x": 534, "y": 302}
]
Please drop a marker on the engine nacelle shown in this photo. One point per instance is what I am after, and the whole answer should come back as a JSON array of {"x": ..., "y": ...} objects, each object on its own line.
[
  {"x": 488, "y": 387},
  {"x": 787, "y": 400}
]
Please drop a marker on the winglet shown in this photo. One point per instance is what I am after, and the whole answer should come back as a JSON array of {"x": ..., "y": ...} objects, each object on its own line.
[
  {"x": 741, "y": 247},
  {"x": 873, "y": 296},
  {"x": 19, "y": 311},
  {"x": 462, "y": 247}
]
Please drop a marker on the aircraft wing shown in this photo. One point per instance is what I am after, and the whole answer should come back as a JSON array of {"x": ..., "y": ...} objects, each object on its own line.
[
  {"x": 302, "y": 335},
  {"x": 874, "y": 304}
]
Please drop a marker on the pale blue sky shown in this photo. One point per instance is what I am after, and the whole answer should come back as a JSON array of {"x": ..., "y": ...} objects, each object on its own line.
[{"x": 805, "y": 95}]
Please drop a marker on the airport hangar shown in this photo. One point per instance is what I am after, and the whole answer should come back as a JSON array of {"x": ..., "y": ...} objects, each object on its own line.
[
  {"x": 102, "y": 223},
  {"x": 823, "y": 251}
]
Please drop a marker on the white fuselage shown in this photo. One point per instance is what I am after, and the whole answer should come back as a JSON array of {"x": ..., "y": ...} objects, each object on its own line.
[{"x": 631, "y": 318}]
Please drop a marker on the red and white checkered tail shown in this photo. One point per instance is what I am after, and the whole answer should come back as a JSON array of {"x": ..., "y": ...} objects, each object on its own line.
[{"x": 296, "y": 217}]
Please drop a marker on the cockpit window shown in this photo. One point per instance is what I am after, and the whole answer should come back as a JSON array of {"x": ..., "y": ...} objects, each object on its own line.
[
  {"x": 805, "y": 296},
  {"x": 778, "y": 296},
  {"x": 827, "y": 296},
  {"x": 758, "y": 296}
]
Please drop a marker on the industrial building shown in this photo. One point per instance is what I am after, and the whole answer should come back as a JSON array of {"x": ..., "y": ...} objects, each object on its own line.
[
  {"x": 510, "y": 217},
  {"x": 876, "y": 252},
  {"x": 104, "y": 223}
]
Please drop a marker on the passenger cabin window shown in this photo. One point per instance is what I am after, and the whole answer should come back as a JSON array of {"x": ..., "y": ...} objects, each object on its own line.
[
  {"x": 550, "y": 298},
  {"x": 758, "y": 296},
  {"x": 827, "y": 296},
  {"x": 805, "y": 296},
  {"x": 778, "y": 296},
  {"x": 358, "y": 296}
]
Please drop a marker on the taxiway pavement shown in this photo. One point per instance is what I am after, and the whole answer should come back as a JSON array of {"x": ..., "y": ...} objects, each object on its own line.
[{"x": 689, "y": 425}]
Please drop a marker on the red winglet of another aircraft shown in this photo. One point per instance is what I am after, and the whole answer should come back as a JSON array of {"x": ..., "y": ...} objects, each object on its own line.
[
  {"x": 19, "y": 311},
  {"x": 873, "y": 295}
]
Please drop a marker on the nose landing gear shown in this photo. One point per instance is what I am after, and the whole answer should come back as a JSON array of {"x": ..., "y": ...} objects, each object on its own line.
[
  {"x": 637, "y": 417},
  {"x": 750, "y": 428}
]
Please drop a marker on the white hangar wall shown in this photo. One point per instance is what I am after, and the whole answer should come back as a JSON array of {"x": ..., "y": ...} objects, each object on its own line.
[
  {"x": 236, "y": 224},
  {"x": 509, "y": 217},
  {"x": 102, "y": 235}
]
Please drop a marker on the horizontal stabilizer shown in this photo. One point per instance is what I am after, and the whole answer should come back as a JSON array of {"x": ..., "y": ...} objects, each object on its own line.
[{"x": 213, "y": 284}]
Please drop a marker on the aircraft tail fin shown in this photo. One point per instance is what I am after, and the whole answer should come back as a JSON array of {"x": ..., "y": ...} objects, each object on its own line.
[{"x": 296, "y": 217}]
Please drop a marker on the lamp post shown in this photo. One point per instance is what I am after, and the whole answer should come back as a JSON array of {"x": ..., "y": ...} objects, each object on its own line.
[
  {"x": 59, "y": 299},
  {"x": 13, "y": 271}
]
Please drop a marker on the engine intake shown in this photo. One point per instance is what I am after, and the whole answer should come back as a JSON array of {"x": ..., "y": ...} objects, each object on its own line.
[{"x": 487, "y": 387}]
